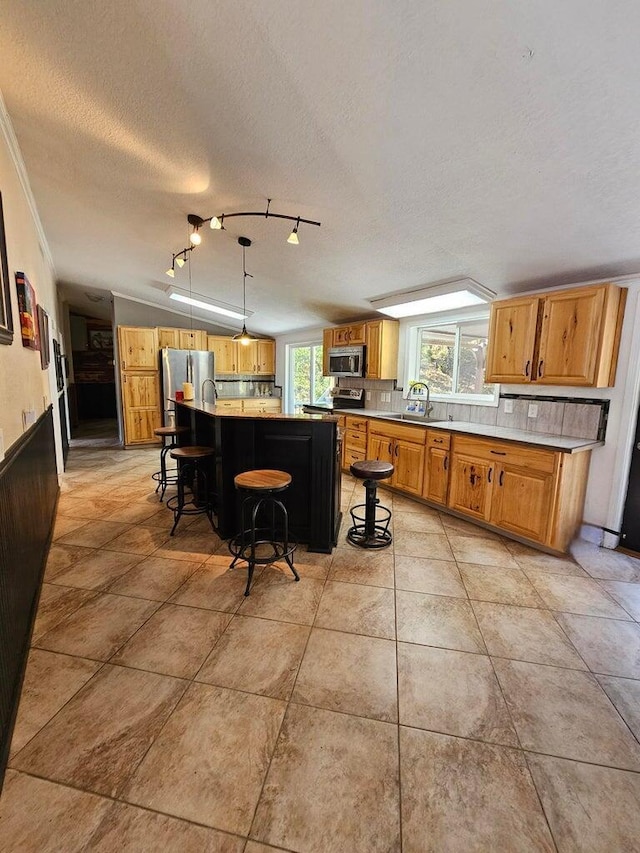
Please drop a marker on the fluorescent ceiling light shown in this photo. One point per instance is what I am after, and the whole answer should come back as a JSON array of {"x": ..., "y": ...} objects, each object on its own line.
[
  {"x": 215, "y": 307},
  {"x": 430, "y": 300}
]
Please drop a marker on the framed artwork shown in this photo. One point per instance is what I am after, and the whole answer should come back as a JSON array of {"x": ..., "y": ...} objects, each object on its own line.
[
  {"x": 43, "y": 329},
  {"x": 100, "y": 339},
  {"x": 27, "y": 309},
  {"x": 6, "y": 316}
]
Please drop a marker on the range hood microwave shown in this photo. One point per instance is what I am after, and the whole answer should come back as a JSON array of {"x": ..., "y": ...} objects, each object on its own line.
[{"x": 346, "y": 361}]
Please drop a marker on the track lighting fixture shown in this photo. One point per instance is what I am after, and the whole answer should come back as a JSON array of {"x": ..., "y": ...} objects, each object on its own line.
[
  {"x": 244, "y": 337},
  {"x": 293, "y": 237},
  {"x": 179, "y": 259}
]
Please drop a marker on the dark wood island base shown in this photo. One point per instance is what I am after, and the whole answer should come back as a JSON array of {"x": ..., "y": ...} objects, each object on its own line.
[{"x": 305, "y": 446}]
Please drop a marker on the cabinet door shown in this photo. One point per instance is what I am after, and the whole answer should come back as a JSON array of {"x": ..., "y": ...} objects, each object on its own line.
[
  {"x": 327, "y": 343},
  {"x": 230, "y": 406},
  {"x": 436, "y": 474},
  {"x": 341, "y": 336},
  {"x": 512, "y": 340},
  {"x": 168, "y": 338},
  {"x": 357, "y": 334},
  {"x": 522, "y": 501},
  {"x": 224, "y": 353},
  {"x": 408, "y": 460},
  {"x": 266, "y": 357},
  {"x": 190, "y": 339},
  {"x": 138, "y": 348},
  {"x": 140, "y": 406},
  {"x": 380, "y": 448},
  {"x": 374, "y": 349},
  {"x": 570, "y": 336},
  {"x": 247, "y": 358},
  {"x": 470, "y": 486}
]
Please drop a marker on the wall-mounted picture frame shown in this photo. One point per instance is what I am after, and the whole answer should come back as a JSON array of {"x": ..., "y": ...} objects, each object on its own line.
[
  {"x": 43, "y": 329},
  {"x": 27, "y": 308},
  {"x": 6, "y": 315},
  {"x": 101, "y": 339}
]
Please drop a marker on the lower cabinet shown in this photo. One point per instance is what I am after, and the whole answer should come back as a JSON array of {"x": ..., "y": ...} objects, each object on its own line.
[
  {"x": 140, "y": 406},
  {"x": 257, "y": 405},
  {"x": 534, "y": 493},
  {"x": 403, "y": 446},
  {"x": 354, "y": 444},
  {"x": 436, "y": 466}
]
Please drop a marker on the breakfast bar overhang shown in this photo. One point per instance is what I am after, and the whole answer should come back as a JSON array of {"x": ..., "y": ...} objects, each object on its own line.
[{"x": 305, "y": 446}]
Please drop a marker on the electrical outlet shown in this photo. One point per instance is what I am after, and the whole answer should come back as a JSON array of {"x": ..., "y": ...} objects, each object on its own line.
[
  {"x": 533, "y": 410},
  {"x": 368, "y": 396},
  {"x": 28, "y": 418},
  {"x": 508, "y": 407}
]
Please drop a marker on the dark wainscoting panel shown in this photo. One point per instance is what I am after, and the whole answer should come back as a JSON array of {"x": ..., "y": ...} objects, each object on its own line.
[{"x": 28, "y": 496}]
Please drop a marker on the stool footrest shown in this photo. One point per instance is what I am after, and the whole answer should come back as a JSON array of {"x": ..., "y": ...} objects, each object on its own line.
[{"x": 241, "y": 547}]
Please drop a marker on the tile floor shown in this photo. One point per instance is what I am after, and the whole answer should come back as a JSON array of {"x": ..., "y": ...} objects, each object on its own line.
[{"x": 454, "y": 692}]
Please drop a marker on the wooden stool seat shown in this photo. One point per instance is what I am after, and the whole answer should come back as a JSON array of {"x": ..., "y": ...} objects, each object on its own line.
[
  {"x": 372, "y": 469},
  {"x": 171, "y": 431},
  {"x": 192, "y": 453},
  {"x": 262, "y": 480}
]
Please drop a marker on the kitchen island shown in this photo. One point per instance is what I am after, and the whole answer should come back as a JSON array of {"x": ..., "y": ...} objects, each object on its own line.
[{"x": 305, "y": 446}]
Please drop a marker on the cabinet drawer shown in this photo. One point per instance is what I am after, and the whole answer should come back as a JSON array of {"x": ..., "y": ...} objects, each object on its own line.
[
  {"x": 387, "y": 429},
  {"x": 438, "y": 439},
  {"x": 504, "y": 453},
  {"x": 355, "y": 440},
  {"x": 351, "y": 456},
  {"x": 229, "y": 405},
  {"x": 357, "y": 423}
]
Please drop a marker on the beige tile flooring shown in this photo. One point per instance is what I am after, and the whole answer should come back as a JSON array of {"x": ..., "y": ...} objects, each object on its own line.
[{"x": 453, "y": 692}]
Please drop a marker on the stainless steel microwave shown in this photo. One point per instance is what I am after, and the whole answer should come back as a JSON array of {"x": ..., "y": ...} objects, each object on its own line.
[{"x": 346, "y": 361}]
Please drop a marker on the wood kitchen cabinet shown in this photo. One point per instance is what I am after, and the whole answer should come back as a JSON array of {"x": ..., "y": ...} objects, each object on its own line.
[
  {"x": 224, "y": 351},
  {"x": 404, "y": 447},
  {"x": 562, "y": 337},
  {"x": 255, "y": 359},
  {"x": 382, "y": 349},
  {"x": 168, "y": 338},
  {"x": 262, "y": 405},
  {"x": 436, "y": 466},
  {"x": 380, "y": 338},
  {"x": 535, "y": 493},
  {"x": 354, "y": 443},
  {"x": 182, "y": 338},
  {"x": 139, "y": 384},
  {"x": 137, "y": 348}
]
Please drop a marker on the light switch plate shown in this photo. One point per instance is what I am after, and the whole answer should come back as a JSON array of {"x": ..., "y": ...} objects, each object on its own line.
[
  {"x": 508, "y": 407},
  {"x": 533, "y": 410},
  {"x": 368, "y": 396},
  {"x": 1, "y": 445},
  {"x": 28, "y": 417}
]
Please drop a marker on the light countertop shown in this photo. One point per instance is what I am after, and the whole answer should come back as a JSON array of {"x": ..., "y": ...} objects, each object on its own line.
[
  {"x": 565, "y": 444},
  {"x": 211, "y": 409}
]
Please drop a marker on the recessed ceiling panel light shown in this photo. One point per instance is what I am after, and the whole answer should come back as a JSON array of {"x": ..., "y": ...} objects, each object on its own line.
[
  {"x": 435, "y": 299},
  {"x": 206, "y": 305}
]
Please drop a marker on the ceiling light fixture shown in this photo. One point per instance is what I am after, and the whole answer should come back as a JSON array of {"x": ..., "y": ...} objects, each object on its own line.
[
  {"x": 432, "y": 299},
  {"x": 244, "y": 337},
  {"x": 180, "y": 258},
  {"x": 293, "y": 237},
  {"x": 205, "y": 304}
]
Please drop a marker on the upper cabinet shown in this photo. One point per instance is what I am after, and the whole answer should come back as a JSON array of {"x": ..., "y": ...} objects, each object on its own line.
[
  {"x": 380, "y": 338},
  {"x": 182, "y": 338},
  {"x": 138, "y": 348},
  {"x": 564, "y": 337},
  {"x": 256, "y": 359}
]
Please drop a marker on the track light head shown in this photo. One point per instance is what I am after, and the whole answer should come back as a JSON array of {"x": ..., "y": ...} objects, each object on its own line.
[
  {"x": 293, "y": 237},
  {"x": 181, "y": 262},
  {"x": 171, "y": 272},
  {"x": 215, "y": 224}
]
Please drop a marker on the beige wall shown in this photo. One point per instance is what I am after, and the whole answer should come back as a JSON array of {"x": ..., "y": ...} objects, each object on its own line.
[{"x": 23, "y": 384}]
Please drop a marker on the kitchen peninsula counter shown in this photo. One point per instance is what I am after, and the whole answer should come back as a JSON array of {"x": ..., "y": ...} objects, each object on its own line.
[{"x": 305, "y": 446}]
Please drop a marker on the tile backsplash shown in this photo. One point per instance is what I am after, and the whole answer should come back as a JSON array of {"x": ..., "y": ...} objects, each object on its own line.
[{"x": 575, "y": 417}]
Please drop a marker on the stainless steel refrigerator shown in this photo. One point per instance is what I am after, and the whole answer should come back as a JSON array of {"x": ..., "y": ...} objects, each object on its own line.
[{"x": 184, "y": 365}]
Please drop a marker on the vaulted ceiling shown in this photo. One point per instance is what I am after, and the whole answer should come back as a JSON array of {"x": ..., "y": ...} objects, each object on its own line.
[{"x": 434, "y": 140}]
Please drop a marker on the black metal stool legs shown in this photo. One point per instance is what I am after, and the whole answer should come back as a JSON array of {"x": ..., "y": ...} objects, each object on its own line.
[
  {"x": 199, "y": 500},
  {"x": 370, "y": 530}
]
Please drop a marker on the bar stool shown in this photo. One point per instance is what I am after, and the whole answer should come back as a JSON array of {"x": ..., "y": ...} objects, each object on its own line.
[
  {"x": 192, "y": 465},
  {"x": 259, "y": 546},
  {"x": 165, "y": 477},
  {"x": 370, "y": 530}
]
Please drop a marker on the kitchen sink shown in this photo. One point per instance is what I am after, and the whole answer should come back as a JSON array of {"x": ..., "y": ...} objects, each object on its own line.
[{"x": 406, "y": 416}]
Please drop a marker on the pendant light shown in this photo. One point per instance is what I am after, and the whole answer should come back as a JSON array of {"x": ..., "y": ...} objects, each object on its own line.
[{"x": 244, "y": 337}]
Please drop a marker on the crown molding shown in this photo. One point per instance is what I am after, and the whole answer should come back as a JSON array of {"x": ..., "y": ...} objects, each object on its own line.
[{"x": 16, "y": 156}]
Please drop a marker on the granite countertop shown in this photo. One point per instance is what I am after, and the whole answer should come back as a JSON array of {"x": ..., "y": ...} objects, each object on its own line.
[
  {"x": 565, "y": 444},
  {"x": 210, "y": 409},
  {"x": 249, "y": 397}
]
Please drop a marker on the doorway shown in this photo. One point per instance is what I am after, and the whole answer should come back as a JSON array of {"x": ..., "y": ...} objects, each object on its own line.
[
  {"x": 305, "y": 383},
  {"x": 92, "y": 391},
  {"x": 630, "y": 533}
]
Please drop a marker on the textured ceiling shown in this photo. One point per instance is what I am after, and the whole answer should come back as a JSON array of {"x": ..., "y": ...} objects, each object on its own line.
[{"x": 496, "y": 140}]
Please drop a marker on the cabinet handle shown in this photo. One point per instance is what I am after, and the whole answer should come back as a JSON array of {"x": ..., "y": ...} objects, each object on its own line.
[
  {"x": 526, "y": 368},
  {"x": 498, "y": 452},
  {"x": 437, "y": 441},
  {"x": 389, "y": 448},
  {"x": 396, "y": 451},
  {"x": 489, "y": 475},
  {"x": 124, "y": 365},
  {"x": 540, "y": 370},
  {"x": 446, "y": 463},
  {"x": 500, "y": 478}
]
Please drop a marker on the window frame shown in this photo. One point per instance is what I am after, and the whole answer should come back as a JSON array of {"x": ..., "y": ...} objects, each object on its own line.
[{"x": 412, "y": 358}]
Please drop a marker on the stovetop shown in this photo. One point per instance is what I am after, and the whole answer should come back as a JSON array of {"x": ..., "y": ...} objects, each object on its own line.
[{"x": 342, "y": 398}]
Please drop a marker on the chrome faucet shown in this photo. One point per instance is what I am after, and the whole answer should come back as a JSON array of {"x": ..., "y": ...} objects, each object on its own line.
[
  {"x": 428, "y": 408},
  {"x": 215, "y": 390}
]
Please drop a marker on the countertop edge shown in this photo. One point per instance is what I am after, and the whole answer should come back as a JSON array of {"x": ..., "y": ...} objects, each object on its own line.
[
  {"x": 558, "y": 443},
  {"x": 210, "y": 410}
]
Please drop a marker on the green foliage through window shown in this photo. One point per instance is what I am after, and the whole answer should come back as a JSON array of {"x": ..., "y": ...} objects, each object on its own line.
[{"x": 451, "y": 359}]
